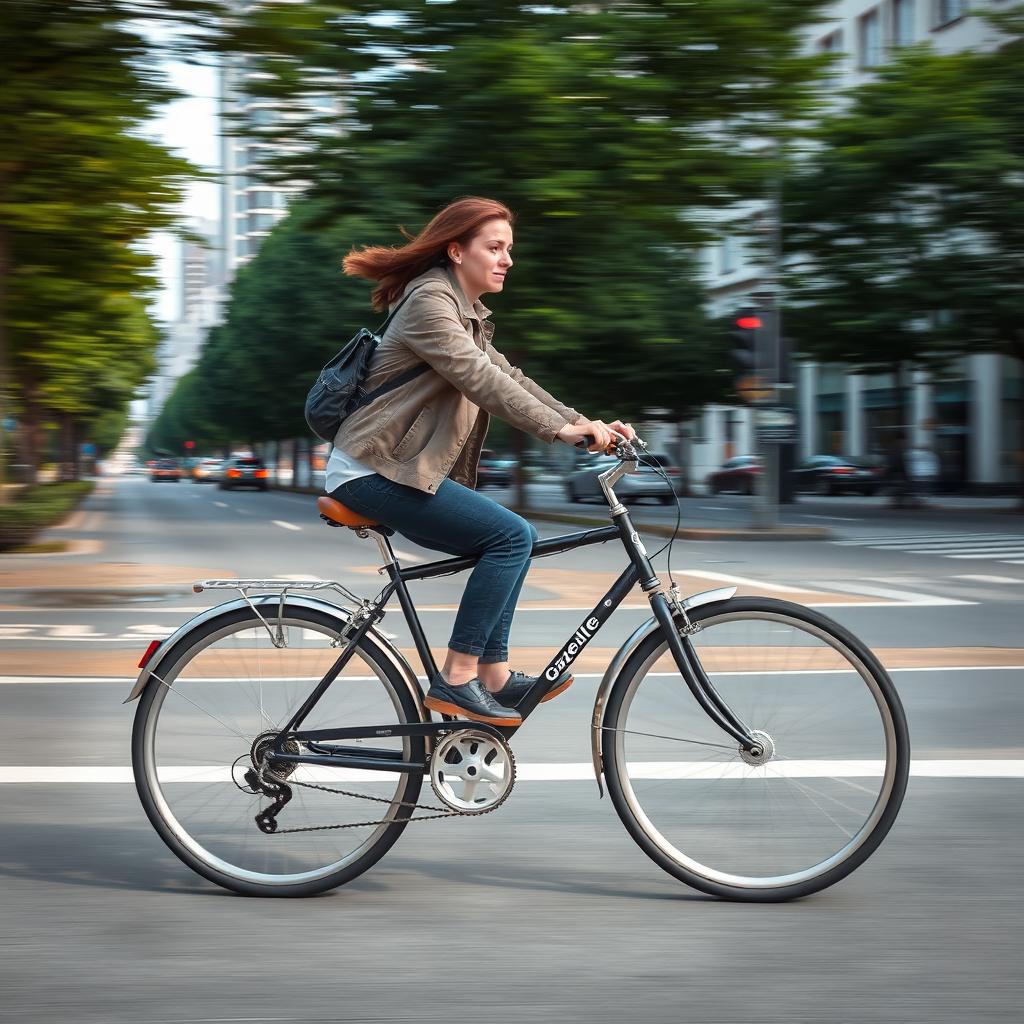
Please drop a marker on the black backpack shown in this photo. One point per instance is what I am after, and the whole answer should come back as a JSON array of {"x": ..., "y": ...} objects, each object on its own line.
[{"x": 338, "y": 391}]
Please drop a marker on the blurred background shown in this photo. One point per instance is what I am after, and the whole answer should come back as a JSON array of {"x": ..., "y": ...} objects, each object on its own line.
[
  {"x": 784, "y": 239},
  {"x": 782, "y": 235}
]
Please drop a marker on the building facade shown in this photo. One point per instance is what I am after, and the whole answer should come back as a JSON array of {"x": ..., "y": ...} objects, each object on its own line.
[{"x": 970, "y": 415}]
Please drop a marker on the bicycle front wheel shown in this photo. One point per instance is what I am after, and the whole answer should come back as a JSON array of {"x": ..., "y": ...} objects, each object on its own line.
[
  {"x": 819, "y": 803},
  {"x": 221, "y": 691}
]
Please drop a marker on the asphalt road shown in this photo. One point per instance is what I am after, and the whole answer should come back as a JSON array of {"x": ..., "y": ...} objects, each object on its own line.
[{"x": 545, "y": 910}]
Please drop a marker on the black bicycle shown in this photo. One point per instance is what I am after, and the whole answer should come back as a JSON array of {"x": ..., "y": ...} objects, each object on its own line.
[{"x": 753, "y": 748}]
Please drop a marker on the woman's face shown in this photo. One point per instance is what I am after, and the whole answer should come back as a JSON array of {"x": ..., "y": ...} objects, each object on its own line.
[{"x": 482, "y": 265}]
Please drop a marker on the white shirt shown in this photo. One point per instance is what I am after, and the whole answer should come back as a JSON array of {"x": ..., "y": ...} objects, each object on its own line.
[{"x": 341, "y": 468}]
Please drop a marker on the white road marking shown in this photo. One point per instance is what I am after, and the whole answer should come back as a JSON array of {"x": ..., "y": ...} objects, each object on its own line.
[
  {"x": 543, "y": 772},
  {"x": 839, "y": 519},
  {"x": 911, "y": 538},
  {"x": 905, "y": 598},
  {"x": 715, "y": 508},
  {"x": 988, "y": 554},
  {"x": 284, "y": 525},
  {"x": 221, "y": 504},
  {"x": 990, "y": 579},
  {"x": 128, "y": 681},
  {"x": 721, "y": 577}
]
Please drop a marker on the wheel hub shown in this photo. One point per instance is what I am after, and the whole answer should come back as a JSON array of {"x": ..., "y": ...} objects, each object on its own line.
[
  {"x": 261, "y": 749},
  {"x": 472, "y": 771},
  {"x": 767, "y": 748}
]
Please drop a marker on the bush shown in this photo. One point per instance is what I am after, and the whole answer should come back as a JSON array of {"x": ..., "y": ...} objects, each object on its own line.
[{"x": 36, "y": 508}]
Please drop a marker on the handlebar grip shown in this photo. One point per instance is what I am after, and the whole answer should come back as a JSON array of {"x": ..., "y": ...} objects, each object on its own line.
[{"x": 586, "y": 441}]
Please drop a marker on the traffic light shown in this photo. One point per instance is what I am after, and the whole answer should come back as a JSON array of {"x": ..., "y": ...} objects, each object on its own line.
[
  {"x": 743, "y": 332},
  {"x": 190, "y": 445}
]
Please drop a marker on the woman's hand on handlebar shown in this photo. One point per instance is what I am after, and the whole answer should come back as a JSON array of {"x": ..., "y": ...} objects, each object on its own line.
[{"x": 599, "y": 432}]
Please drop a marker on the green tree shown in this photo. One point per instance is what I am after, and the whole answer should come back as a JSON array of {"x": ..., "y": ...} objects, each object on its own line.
[
  {"x": 612, "y": 129},
  {"x": 905, "y": 226}
]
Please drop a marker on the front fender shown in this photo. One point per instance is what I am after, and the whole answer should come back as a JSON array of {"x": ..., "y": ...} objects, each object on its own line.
[
  {"x": 382, "y": 647},
  {"x": 615, "y": 667}
]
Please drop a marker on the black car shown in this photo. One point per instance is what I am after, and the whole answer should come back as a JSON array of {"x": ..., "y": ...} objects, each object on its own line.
[
  {"x": 243, "y": 471},
  {"x": 740, "y": 474},
  {"x": 836, "y": 474}
]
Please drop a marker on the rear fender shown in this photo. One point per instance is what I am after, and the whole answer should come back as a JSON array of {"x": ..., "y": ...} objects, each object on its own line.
[
  {"x": 381, "y": 648},
  {"x": 614, "y": 670}
]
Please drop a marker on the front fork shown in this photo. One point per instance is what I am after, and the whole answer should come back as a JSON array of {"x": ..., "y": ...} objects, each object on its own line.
[
  {"x": 692, "y": 670},
  {"x": 686, "y": 659}
]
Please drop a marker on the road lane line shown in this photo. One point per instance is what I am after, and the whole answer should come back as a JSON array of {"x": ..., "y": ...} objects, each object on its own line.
[
  {"x": 284, "y": 525},
  {"x": 903, "y": 598},
  {"x": 989, "y": 579},
  {"x": 839, "y": 519},
  {"x": 130, "y": 680},
  {"x": 578, "y": 771}
]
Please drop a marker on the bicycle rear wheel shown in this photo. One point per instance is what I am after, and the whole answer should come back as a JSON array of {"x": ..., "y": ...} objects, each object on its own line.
[
  {"x": 221, "y": 687},
  {"x": 815, "y": 809}
]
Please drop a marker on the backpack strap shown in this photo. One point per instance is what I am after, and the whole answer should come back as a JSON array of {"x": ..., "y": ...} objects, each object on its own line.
[
  {"x": 402, "y": 378},
  {"x": 397, "y": 382}
]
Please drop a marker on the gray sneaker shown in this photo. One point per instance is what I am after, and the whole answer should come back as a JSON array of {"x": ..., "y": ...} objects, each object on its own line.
[{"x": 470, "y": 700}]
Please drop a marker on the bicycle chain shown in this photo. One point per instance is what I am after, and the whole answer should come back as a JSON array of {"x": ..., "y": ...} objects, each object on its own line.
[{"x": 264, "y": 771}]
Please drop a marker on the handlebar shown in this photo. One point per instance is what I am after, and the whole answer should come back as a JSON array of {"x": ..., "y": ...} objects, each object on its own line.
[{"x": 619, "y": 440}]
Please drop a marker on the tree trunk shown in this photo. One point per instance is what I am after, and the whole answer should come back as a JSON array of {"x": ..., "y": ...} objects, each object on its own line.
[
  {"x": 68, "y": 463},
  {"x": 4, "y": 404},
  {"x": 682, "y": 454},
  {"x": 31, "y": 433}
]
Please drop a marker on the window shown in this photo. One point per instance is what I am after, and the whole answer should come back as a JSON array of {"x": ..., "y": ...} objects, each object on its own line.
[
  {"x": 832, "y": 43},
  {"x": 727, "y": 253},
  {"x": 948, "y": 10},
  {"x": 261, "y": 200},
  {"x": 262, "y": 221},
  {"x": 870, "y": 40},
  {"x": 902, "y": 22}
]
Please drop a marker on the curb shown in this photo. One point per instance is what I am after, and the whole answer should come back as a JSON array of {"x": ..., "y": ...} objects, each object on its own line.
[{"x": 689, "y": 532}]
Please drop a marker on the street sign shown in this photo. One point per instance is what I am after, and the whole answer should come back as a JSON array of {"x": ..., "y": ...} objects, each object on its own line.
[
  {"x": 775, "y": 425},
  {"x": 753, "y": 389}
]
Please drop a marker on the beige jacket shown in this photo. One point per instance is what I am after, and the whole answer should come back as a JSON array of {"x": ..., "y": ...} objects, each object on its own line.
[{"x": 434, "y": 426}]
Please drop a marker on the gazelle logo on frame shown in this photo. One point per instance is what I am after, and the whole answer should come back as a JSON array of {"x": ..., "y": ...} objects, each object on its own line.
[{"x": 572, "y": 648}]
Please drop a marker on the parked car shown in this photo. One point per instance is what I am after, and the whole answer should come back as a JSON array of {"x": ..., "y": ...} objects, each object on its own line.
[
  {"x": 494, "y": 471},
  {"x": 583, "y": 484},
  {"x": 738, "y": 474},
  {"x": 243, "y": 471},
  {"x": 836, "y": 474},
  {"x": 207, "y": 471},
  {"x": 164, "y": 469}
]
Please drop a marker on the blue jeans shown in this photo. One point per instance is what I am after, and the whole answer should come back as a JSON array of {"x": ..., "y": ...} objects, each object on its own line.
[{"x": 458, "y": 521}]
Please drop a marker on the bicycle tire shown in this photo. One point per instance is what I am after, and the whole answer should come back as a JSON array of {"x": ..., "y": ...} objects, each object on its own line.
[
  {"x": 186, "y": 847},
  {"x": 704, "y": 878}
]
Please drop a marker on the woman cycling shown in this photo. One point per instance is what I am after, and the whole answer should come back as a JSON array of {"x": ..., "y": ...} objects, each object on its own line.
[{"x": 409, "y": 458}]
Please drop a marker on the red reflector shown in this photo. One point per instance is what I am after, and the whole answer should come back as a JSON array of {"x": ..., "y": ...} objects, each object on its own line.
[
  {"x": 748, "y": 323},
  {"x": 150, "y": 651}
]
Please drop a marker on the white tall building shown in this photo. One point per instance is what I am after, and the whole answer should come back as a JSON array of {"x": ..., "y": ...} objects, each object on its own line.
[
  {"x": 971, "y": 416},
  {"x": 249, "y": 208},
  {"x": 199, "y": 297}
]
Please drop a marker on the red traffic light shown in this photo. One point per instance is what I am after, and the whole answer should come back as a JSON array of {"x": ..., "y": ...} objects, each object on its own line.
[
  {"x": 749, "y": 323},
  {"x": 190, "y": 444}
]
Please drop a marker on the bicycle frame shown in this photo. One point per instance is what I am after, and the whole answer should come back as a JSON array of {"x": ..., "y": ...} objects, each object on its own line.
[{"x": 640, "y": 568}]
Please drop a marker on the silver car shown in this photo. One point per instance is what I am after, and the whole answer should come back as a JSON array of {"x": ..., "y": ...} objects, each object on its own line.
[{"x": 583, "y": 484}]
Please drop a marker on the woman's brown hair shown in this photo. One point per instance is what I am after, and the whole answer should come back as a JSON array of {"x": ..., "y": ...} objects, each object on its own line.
[{"x": 395, "y": 266}]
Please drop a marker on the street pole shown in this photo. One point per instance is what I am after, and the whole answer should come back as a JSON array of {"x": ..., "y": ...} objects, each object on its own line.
[{"x": 770, "y": 368}]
